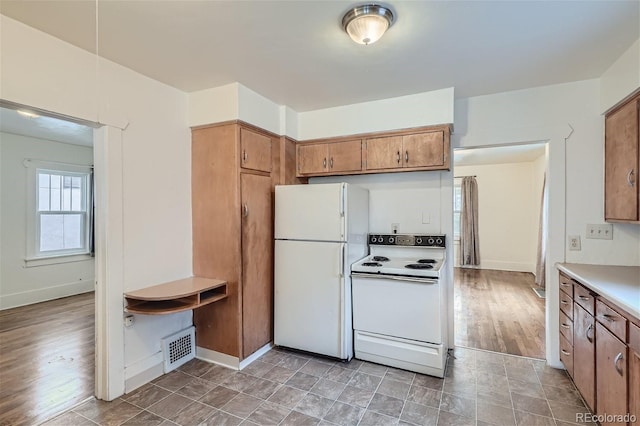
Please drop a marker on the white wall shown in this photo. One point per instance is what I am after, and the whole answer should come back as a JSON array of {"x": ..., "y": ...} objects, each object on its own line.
[
  {"x": 508, "y": 214},
  {"x": 422, "y": 109},
  {"x": 621, "y": 79},
  {"x": 21, "y": 285},
  {"x": 43, "y": 72}
]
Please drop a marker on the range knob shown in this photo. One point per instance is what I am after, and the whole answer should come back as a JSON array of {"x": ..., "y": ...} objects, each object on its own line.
[
  {"x": 374, "y": 239},
  {"x": 430, "y": 241},
  {"x": 439, "y": 241},
  {"x": 392, "y": 240},
  {"x": 419, "y": 240}
]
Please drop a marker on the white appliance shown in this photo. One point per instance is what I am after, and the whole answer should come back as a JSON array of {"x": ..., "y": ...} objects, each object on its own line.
[
  {"x": 320, "y": 230},
  {"x": 398, "y": 300}
]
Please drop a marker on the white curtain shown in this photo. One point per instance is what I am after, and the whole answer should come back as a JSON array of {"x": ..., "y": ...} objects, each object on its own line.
[
  {"x": 542, "y": 236},
  {"x": 469, "y": 242}
]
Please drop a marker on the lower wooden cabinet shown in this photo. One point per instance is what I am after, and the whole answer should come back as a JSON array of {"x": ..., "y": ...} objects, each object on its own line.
[
  {"x": 634, "y": 373},
  {"x": 611, "y": 374},
  {"x": 600, "y": 349},
  {"x": 584, "y": 354}
]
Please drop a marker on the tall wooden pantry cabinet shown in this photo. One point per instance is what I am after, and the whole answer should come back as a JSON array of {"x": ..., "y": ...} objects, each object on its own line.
[{"x": 234, "y": 169}]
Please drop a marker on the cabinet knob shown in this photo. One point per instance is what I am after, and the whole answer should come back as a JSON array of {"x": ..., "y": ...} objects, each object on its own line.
[
  {"x": 398, "y": 157},
  {"x": 406, "y": 156},
  {"x": 565, "y": 352},
  {"x": 589, "y": 337},
  {"x": 245, "y": 210},
  {"x": 244, "y": 155},
  {"x": 630, "y": 180},
  {"x": 324, "y": 163},
  {"x": 616, "y": 363},
  {"x": 331, "y": 163}
]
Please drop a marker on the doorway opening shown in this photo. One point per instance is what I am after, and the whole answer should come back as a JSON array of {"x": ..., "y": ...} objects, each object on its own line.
[
  {"x": 47, "y": 271},
  {"x": 499, "y": 273}
]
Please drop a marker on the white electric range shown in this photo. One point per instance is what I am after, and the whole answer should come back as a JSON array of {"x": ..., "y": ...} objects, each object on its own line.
[{"x": 398, "y": 299}]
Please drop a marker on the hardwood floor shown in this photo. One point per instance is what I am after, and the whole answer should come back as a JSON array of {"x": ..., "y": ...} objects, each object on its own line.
[
  {"x": 498, "y": 311},
  {"x": 46, "y": 358}
]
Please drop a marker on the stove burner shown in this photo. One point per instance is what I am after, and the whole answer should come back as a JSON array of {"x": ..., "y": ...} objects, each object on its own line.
[
  {"x": 380, "y": 259},
  {"x": 371, "y": 264},
  {"x": 426, "y": 261},
  {"x": 419, "y": 266}
]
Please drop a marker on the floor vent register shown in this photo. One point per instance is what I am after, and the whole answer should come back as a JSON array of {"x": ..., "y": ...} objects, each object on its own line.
[{"x": 179, "y": 348}]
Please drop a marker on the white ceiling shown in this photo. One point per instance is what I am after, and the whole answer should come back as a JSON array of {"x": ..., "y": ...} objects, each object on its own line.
[
  {"x": 295, "y": 52},
  {"x": 43, "y": 127},
  {"x": 498, "y": 155}
]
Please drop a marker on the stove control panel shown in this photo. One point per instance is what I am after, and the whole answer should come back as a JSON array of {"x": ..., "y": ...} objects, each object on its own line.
[{"x": 407, "y": 240}]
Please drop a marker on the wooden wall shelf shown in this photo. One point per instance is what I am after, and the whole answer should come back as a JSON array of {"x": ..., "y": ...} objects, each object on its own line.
[{"x": 175, "y": 296}]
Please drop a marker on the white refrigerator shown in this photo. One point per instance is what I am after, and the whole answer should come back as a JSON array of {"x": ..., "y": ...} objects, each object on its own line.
[{"x": 320, "y": 230}]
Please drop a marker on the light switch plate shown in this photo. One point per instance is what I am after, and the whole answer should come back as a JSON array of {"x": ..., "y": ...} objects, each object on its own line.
[
  {"x": 600, "y": 231},
  {"x": 426, "y": 217}
]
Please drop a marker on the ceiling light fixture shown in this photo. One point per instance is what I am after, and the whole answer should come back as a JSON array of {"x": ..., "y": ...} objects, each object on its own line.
[
  {"x": 367, "y": 23},
  {"x": 27, "y": 114}
]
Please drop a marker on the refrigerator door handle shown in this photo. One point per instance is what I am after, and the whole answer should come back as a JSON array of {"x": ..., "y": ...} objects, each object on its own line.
[{"x": 341, "y": 273}]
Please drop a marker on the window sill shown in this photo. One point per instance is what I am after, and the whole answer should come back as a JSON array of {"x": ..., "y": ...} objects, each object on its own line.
[{"x": 54, "y": 260}]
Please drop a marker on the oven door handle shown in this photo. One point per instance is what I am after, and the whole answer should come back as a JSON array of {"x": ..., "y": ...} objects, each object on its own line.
[{"x": 396, "y": 278}]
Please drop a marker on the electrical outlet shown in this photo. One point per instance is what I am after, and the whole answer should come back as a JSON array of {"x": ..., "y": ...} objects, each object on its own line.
[
  {"x": 600, "y": 232},
  {"x": 426, "y": 217},
  {"x": 394, "y": 227},
  {"x": 128, "y": 321},
  {"x": 574, "y": 242}
]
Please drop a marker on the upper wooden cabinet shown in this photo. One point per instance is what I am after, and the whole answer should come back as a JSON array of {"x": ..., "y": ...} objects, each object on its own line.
[
  {"x": 426, "y": 148},
  {"x": 255, "y": 151},
  {"x": 421, "y": 150},
  {"x": 329, "y": 158},
  {"x": 622, "y": 158}
]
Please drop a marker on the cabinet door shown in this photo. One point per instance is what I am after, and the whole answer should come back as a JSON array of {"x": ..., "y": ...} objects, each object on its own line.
[
  {"x": 345, "y": 156},
  {"x": 634, "y": 373},
  {"x": 611, "y": 373},
  {"x": 621, "y": 164},
  {"x": 584, "y": 354},
  {"x": 255, "y": 151},
  {"x": 384, "y": 153},
  {"x": 423, "y": 149},
  {"x": 257, "y": 262},
  {"x": 313, "y": 159}
]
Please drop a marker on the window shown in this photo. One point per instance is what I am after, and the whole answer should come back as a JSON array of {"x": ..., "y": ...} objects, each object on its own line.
[
  {"x": 457, "y": 208},
  {"x": 60, "y": 214}
]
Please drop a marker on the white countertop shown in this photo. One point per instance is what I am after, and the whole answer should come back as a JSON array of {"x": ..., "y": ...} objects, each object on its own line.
[{"x": 620, "y": 284}]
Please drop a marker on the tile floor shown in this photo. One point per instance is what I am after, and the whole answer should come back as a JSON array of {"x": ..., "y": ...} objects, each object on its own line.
[{"x": 287, "y": 388}]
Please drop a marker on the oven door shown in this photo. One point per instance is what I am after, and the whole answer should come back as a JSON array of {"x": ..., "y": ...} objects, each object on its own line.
[{"x": 406, "y": 307}]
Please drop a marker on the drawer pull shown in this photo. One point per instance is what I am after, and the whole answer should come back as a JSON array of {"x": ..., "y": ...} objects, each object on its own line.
[
  {"x": 584, "y": 298},
  {"x": 619, "y": 358},
  {"x": 608, "y": 317},
  {"x": 406, "y": 156},
  {"x": 586, "y": 334},
  {"x": 565, "y": 325},
  {"x": 331, "y": 163},
  {"x": 324, "y": 163},
  {"x": 244, "y": 156},
  {"x": 564, "y": 302},
  {"x": 565, "y": 285},
  {"x": 567, "y": 353},
  {"x": 630, "y": 179}
]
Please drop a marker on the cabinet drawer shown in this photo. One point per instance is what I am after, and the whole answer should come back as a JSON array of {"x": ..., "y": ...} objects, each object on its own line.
[
  {"x": 584, "y": 298},
  {"x": 566, "y": 285},
  {"x": 566, "y": 355},
  {"x": 634, "y": 337},
  {"x": 566, "y": 304},
  {"x": 566, "y": 327},
  {"x": 615, "y": 322}
]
